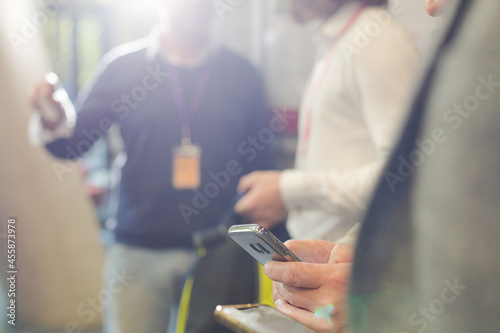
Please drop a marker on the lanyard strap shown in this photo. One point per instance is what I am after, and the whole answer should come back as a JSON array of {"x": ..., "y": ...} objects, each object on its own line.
[
  {"x": 316, "y": 84},
  {"x": 187, "y": 112}
]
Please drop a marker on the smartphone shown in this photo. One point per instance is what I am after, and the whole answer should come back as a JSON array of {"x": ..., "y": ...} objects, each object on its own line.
[
  {"x": 257, "y": 318},
  {"x": 260, "y": 243}
]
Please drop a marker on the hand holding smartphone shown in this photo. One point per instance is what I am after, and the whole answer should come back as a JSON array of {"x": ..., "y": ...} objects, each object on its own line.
[{"x": 260, "y": 243}]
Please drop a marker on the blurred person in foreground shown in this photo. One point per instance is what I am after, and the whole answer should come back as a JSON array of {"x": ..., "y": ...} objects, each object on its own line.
[
  {"x": 426, "y": 259},
  {"x": 350, "y": 117},
  {"x": 183, "y": 105}
]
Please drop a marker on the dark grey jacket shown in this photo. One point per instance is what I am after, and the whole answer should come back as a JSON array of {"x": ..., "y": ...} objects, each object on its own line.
[{"x": 428, "y": 255}]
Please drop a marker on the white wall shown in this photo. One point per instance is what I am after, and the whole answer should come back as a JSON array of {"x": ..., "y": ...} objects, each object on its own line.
[{"x": 58, "y": 255}]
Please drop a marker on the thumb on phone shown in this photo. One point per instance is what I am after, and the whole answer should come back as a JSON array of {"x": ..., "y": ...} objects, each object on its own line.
[{"x": 342, "y": 253}]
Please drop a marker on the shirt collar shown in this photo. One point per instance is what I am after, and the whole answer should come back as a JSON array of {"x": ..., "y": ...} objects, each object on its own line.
[
  {"x": 334, "y": 25},
  {"x": 156, "y": 50}
]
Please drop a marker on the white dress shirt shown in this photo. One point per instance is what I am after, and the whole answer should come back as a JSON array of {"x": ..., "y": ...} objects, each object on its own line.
[{"x": 353, "y": 109}]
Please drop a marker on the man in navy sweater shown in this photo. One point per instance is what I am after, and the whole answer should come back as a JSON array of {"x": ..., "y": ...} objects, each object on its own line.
[{"x": 191, "y": 116}]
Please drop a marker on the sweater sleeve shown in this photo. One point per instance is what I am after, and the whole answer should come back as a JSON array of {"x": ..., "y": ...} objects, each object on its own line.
[{"x": 94, "y": 115}]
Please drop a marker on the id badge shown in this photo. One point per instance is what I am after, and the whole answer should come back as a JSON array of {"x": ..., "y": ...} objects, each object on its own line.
[{"x": 186, "y": 167}]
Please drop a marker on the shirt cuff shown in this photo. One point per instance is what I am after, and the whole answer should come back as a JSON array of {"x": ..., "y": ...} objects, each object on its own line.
[
  {"x": 351, "y": 237},
  {"x": 41, "y": 136}
]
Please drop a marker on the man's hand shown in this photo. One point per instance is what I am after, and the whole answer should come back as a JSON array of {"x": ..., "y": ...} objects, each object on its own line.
[
  {"x": 262, "y": 202},
  {"x": 303, "y": 289},
  {"x": 47, "y": 99}
]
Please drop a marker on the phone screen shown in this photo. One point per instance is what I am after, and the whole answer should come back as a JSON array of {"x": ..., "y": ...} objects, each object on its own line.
[{"x": 263, "y": 319}]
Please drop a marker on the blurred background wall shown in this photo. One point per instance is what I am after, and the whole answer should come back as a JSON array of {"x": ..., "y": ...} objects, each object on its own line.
[{"x": 58, "y": 256}]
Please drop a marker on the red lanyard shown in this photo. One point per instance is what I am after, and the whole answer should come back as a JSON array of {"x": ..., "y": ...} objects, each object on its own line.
[{"x": 317, "y": 83}]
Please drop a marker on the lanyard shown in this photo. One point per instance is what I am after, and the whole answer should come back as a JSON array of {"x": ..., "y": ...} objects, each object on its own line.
[
  {"x": 317, "y": 83},
  {"x": 187, "y": 112}
]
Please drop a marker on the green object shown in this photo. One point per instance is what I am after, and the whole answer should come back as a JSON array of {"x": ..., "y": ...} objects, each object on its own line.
[{"x": 325, "y": 312}]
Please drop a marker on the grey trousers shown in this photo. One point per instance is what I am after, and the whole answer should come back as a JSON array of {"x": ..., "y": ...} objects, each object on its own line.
[{"x": 143, "y": 287}]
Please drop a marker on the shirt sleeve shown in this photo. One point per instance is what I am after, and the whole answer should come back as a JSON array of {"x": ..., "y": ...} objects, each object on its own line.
[{"x": 383, "y": 73}]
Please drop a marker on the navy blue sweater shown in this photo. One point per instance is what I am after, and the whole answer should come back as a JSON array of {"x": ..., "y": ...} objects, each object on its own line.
[{"x": 134, "y": 90}]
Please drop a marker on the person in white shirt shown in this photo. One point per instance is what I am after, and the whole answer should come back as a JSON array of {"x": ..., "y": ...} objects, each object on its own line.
[{"x": 349, "y": 119}]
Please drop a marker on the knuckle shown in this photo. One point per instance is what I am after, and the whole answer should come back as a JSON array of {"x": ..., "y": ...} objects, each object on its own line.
[
  {"x": 344, "y": 252},
  {"x": 292, "y": 275},
  {"x": 290, "y": 295}
]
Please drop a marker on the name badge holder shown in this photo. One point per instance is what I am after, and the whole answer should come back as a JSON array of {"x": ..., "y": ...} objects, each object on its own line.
[
  {"x": 186, "y": 159},
  {"x": 186, "y": 166}
]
